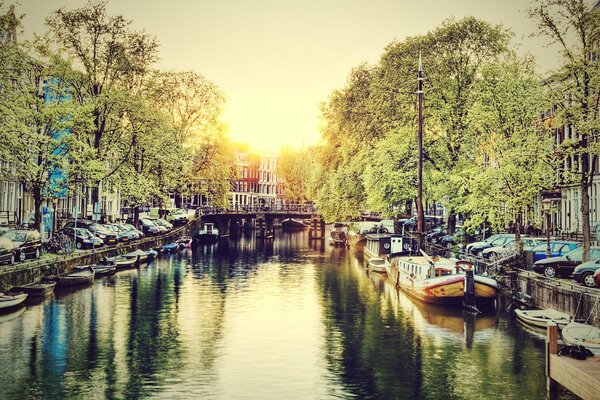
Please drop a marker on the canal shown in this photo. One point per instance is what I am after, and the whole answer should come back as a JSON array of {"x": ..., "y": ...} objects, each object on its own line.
[{"x": 247, "y": 320}]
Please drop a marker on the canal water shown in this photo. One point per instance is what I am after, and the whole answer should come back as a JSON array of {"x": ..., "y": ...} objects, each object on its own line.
[{"x": 244, "y": 319}]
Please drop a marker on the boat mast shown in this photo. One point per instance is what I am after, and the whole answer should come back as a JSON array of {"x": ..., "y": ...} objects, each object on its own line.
[{"x": 420, "y": 160}]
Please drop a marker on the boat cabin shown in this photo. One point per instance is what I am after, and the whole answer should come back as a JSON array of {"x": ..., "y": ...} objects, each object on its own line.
[{"x": 382, "y": 245}]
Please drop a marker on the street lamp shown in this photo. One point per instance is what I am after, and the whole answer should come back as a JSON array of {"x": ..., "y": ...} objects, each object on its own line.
[{"x": 547, "y": 204}]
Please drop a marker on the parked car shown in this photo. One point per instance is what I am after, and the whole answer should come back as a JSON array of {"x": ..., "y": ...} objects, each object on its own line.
[
  {"x": 584, "y": 273},
  {"x": 495, "y": 240},
  {"x": 161, "y": 222},
  {"x": 557, "y": 248},
  {"x": 122, "y": 236},
  {"x": 97, "y": 229},
  {"x": 84, "y": 239},
  {"x": 149, "y": 228},
  {"x": 7, "y": 255},
  {"x": 509, "y": 248},
  {"x": 130, "y": 228},
  {"x": 563, "y": 265},
  {"x": 27, "y": 243},
  {"x": 176, "y": 216}
]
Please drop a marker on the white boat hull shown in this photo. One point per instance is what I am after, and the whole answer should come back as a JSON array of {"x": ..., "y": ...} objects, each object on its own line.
[
  {"x": 9, "y": 301},
  {"x": 540, "y": 318}
]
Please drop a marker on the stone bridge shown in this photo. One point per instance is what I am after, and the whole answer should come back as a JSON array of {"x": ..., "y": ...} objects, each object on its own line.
[{"x": 262, "y": 219}]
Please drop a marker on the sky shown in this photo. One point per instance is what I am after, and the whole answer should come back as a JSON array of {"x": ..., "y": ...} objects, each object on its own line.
[{"x": 278, "y": 60}]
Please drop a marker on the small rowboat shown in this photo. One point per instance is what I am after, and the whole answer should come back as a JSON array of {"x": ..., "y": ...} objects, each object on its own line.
[
  {"x": 184, "y": 242},
  {"x": 123, "y": 262},
  {"x": 40, "y": 289},
  {"x": 140, "y": 255},
  {"x": 377, "y": 264},
  {"x": 11, "y": 300},
  {"x": 588, "y": 336},
  {"x": 151, "y": 254},
  {"x": 79, "y": 276},
  {"x": 171, "y": 247},
  {"x": 102, "y": 270},
  {"x": 540, "y": 318}
]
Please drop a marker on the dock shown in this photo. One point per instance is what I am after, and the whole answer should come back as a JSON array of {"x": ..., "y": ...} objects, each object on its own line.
[{"x": 581, "y": 377}]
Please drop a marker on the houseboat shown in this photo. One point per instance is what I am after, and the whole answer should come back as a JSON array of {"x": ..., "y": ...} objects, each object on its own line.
[
  {"x": 208, "y": 233},
  {"x": 437, "y": 280},
  {"x": 384, "y": 244}
]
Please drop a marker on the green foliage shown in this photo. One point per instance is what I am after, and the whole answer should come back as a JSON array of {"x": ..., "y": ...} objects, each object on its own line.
[{"x": 294, "y": 168}]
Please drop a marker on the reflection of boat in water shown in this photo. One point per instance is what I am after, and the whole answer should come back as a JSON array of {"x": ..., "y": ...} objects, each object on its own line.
[
  {"x": 540, "y": 318},
  {"x": 443, "y": 322},
  {"x": 438, "y": 281},
  {"x": 337, "y": 238}
]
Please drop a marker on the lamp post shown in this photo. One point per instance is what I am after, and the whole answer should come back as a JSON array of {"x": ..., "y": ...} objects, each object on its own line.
[{"x": 547, "y": 204}]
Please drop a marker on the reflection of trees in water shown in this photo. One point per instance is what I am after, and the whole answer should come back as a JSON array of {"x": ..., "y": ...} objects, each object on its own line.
[{"x": 379, "y": 349}]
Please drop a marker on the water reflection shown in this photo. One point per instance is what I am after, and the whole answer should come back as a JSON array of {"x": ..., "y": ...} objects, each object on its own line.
[{"x": 251, "y": 318}]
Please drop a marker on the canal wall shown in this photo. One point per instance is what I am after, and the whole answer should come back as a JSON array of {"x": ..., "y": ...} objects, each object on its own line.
[
  {"x": 32, "y": 271},
  {"x": 570, "y": 298}
]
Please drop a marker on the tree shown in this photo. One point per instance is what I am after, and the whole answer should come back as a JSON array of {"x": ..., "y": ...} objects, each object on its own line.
[
  {"x": 38, "y": 118},
  {"x": 294, "y": 167},
  {"x": 574, "y": 26},
  {"x": 512, "y": 162},
  {"x": 110, "y": 57}
]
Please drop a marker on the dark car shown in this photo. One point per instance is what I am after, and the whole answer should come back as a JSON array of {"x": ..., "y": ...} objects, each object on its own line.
[
  {"x": 563, "y": 265},
  {"x": 97, "y": 229},
  {"x": 149, "y": 228},
  {"x": 122, "y": 236},
  {"x": 495, "y": 240},
  {"x": 584, "y": 273},
  {"x": 131, "y": 229},
  {"x": 7, "y": 255},
  {"x": 84, "y": 239},
  {"x": 557, "y": 248},
  {"x": 27, "y": 244}
]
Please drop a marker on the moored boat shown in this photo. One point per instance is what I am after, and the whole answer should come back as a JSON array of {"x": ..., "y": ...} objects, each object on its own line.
[
  {"x": 102, "y": 270},
  {"x": 376, "y": 264},
  {"x": 576, "y": 333},
  {"x": 123, "y": 262},
  {"x": 139, "y": 255},
  {"x": 79, "y": 276},
  {"x": 170, "y": 247},
  {"x": 291, "y": 224},
  {"x": 184, "y": 242},
  {"x": 383, "y": 244},
  {"x": 11, "y": 300},
  {"x": 540, "y": 318},
  {"x": 337, "y": 238},
  {"x": 438, "y": 281},
  {"x": 208, "y": 233},
  {"x": 40, "y": 289},
  {"x": 151, "y": 254}
]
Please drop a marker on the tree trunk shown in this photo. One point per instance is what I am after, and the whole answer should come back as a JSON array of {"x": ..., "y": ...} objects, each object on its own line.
[
  {"x": 518, "y": 234},
  {"x": 451, "y": 223},
  {"x": 178, "y": 200},
  {"x": 585, "y": 214},
  {"x": 37, "y": 201}
]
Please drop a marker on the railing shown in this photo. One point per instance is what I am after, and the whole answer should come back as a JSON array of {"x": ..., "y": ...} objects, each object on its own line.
[{"x": 286, "y": 208}]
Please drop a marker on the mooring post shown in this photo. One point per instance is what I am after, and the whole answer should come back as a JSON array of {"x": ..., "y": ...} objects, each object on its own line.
[
  {"x": 469, "y": 295},
  {"x": 551, "y": 348}
]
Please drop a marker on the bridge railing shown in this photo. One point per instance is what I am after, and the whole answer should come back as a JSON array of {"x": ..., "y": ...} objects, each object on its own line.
[{"x": 285, "y": 208}]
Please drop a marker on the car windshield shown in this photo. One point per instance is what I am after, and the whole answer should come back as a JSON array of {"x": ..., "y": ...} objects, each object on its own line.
[
  {"x": 499, "y": 241},
  {"x": 19, "y": 237},
  {"x": 84, "y": 233},
  {"x": 178, "y": 211},
  {"x": 148, "y": 222},
  {"x": 491, "y": 238},
  {"x": 576, "y": 255},
  {"x": 130, "y": 227}
]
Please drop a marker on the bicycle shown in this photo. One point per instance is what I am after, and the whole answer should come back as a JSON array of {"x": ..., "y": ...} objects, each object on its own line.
[{"x": 59, "y": 244}]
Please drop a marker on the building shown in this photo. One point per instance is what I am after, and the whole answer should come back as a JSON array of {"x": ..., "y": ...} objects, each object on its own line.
[{"x": 258, "y": 183}]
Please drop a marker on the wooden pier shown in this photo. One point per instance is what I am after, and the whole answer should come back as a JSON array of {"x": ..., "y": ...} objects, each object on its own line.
[{"x": 582, "y": 377}]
